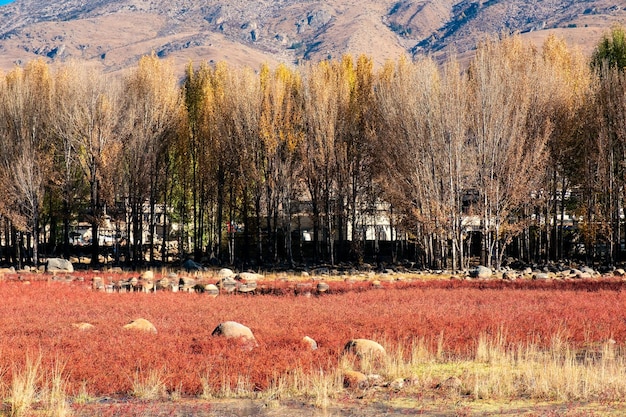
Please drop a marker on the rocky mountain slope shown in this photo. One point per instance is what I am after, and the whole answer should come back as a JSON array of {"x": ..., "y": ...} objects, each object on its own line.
[{"x": 115, "y": 33}]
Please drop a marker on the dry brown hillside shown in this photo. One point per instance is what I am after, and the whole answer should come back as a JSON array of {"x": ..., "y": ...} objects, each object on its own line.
[{"x": 115, "y": 33}]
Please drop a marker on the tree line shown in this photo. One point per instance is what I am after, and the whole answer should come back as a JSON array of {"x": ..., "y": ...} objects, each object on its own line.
[{"x": 521, "y": 151}]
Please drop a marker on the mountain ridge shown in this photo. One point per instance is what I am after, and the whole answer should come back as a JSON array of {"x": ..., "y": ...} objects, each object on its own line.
[{"x": 114, "y": 34}]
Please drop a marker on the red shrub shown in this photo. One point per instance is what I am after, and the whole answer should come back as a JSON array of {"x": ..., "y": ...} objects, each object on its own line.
[{"x": 38, "y": 318}]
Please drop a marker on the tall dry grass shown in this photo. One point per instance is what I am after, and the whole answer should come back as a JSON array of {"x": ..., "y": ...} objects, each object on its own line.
[
  {"x": 494, "y": 370},
  {"x": 24, "y": 387}
]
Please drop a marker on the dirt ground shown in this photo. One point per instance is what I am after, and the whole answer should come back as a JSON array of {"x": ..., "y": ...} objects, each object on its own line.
[{"x": 393, "y": 408}]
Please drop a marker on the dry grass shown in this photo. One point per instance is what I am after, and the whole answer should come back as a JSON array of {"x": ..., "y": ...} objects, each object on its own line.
[
  {"x": 149, "y": 385},
  {"x": 493, "y": 371},
  {"x": 24, "y": 387}
]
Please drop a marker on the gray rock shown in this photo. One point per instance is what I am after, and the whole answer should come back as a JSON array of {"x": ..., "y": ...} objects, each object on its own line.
[
  {"x": 481, "y": 272},
  {"x": 225, "y": 273},
  {"x": 59, "y": 265},
  {"x": 191, "y": 265},
  {"x": 233, "y": 330},
  {"x": 310, "y": 341},
  {"x": 248, "y": 277}
]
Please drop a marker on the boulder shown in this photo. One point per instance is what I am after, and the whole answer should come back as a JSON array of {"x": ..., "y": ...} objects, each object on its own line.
[
  {"x": 310, "y": 342},
  {"x": 247, "y": 277},
  {"x": 141, "y": 325},
  {"x": 246, "y": 288},
  {"x": 233, "y": 330},
  {"x": 226, "y": 273},
  {"x": 354, "y": 379},
  {"x": 228, "y": 284},
  {"x": 59, "y": 265},
  {"x": 481, "y": 272},
  {"x": 211, "y": 290},
  {"x": 509, "y": 276},
  {"x": 163, "y": 284},
  {"x": 364, "y": 347},
  {"x": 191, "y": 265},
  {"x": 186, "y": 284},
  {"x": 83, "y": 326},
  {"x": 588, "y": 270},
  {"x": 97, "y": 284},
  {"x": 147, "y": 275},
  {"x": 134, "y": 284},
  {"x": 619, "y": 272},
  {"x": 146, "y": 285},
  {"x": 322, "y": 287}
]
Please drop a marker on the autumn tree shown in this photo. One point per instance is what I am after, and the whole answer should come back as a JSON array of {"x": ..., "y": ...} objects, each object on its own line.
[
  {"x": 86, "y": 119},
  {"x": 282, "y": 132},
  {"x": 25, "y": 100},
  {"x": 611, "y": 50},
  {"x": 152, "y": 112},
  {"x": 423, "y": 154},
  {"x": 508, "y": 131},
  {"x": 569, "y": 85},
  {"x": 322, "y": 87}
]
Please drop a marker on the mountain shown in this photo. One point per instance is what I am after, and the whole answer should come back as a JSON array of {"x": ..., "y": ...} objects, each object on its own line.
[{"x": 115, "y": 33}]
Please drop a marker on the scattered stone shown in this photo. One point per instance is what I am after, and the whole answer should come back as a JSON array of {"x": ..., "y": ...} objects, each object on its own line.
[
  {"x": 190, "y": 265},
  {"x": 364, "y": 347},
  {"x": 147, "y": 275},
  {"x": 225, "y": 273},
  {"x": 233, "y": 330},
  {"x": 247, "y": 277},
  {"x": 322, "y": 287},
  {"x": 211, "y": 290},
  {"x": 509, "y": 276},
  {"x": 141, "y": 325},
  {"x": 541, "y": 275},
  {"x": 304, "y": 288},
  {"x": 97, "y": 284},
  {"x": 619, "y": 272},
  {"x": 354, "y": 379},
  {"x": 186, "y": 284},
  {"x": 83, "y": 326},
  {"x": 146, "y": 285},
  {"x": 227, "y": 283},
  {"x": 246, "y": 288},
  {"x": 587, "y": 270},
  {"x": 481, "y": 272},
  {"x": 310, "y": 341},
  {"x": 453, "y": 384},
  {"x": 397, "y": 384},
  {"x": 59, "y": 265},
  {"x": 321, "y": 271},
  {"x": 163, "y": 284}
]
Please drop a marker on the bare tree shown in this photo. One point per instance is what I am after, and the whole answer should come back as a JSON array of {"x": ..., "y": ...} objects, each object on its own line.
[
  {"x": 25, "y": 99},
  {"x": 509, "y": 132},
  {"x": 86, "y": 116}
]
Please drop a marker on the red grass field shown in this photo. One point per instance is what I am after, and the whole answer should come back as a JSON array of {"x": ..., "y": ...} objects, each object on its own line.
[{"x": 37, "y": 319}]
